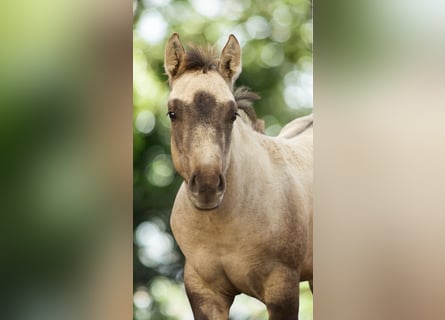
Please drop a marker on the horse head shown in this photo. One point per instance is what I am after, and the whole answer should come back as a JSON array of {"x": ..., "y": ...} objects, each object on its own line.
[{"x": 202, "y": 109}]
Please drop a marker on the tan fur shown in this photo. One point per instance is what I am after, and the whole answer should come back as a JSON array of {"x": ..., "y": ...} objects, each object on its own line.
[
  {"x": 187, "y": 84},
  {"x": 258, "y": 239},
  {"x": 296, "y": 126},
  {"x": 230, "y": 61}
]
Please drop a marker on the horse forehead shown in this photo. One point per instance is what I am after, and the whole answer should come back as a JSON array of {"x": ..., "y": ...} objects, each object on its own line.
[{"x": 186, "y": 87}]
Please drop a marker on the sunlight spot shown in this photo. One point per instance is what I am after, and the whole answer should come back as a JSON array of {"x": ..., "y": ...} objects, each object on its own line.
[
  {"x": 306, "y": 31},
  {"x": 258, "y": 27},
  {"x": 280, "y": 33},
  {"x": 152, "y": 27},
  {"x": 142, "y": 314},
  {"x": 245, "y": 307},
  {"x": 306, "y": 79},
  {"x": 145, "y": 122},
  {"x": 305, "y": 64},
  {"x": 155, "y": 245},
  {"x": 239, "y": 32},
  {"x": 208, "y": 8},
  {"x": 160, "y": 171},
  {"x": 282, "y": 15},
  {"x": 160, "y": 287},
  {"x": 185, "y": 18},
  {"x": 272, "y": 55},
  {"x": 142, "y": 299},
  {"x": 291, "y": 78},
  {"x": 270, "y": 120},
  {"x": 234, "y": 9},
  {"x": 176, "y": 305},
  {"x": 156, "y": 3},
  {"x": 273, "y": 130},
  {"x": 144, "y": 232},
  {"x": 296, "y": 97},
  {"x": 298, "y": 92},
  {"x": 250, "y": 54},
  {"x": 241, "y": 35}
]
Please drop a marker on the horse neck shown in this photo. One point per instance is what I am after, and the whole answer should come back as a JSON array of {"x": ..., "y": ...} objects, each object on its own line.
[{"x": 248, "y": 161}]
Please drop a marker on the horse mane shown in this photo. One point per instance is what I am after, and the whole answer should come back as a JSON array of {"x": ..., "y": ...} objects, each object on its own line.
[
  {"x": 206, "y": 59},
  {"x": 244, "y": 99}
]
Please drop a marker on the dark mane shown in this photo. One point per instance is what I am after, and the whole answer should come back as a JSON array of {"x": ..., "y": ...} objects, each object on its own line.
[
  {"x": 197, "y": 58},
  {"x": 244, "y": 99}
]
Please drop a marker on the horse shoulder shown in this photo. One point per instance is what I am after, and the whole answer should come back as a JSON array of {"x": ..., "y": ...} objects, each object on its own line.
[{"x": 292, "y": 160}]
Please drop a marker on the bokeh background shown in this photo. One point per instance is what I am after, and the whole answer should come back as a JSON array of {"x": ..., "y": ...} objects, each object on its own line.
[
  {"x": 276, "y": 40},
  {"x": 66, "y": 165}
]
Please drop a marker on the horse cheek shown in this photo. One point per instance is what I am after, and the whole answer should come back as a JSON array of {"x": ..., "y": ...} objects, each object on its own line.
[{"x": 179, "y": 160}]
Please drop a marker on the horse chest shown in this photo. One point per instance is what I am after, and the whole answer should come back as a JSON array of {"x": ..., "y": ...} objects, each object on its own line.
[
  {"x": 239, "y": 253},
  {"x": 242, "y": 269},
  {"x": 237, "y": 258},
  {"x": 251, "y": 240}
]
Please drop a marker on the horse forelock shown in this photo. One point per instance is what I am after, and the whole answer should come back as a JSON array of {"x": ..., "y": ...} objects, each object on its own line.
[{"x": 198, "y": 58}]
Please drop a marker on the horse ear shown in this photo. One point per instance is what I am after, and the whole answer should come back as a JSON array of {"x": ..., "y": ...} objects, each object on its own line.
[
  {"x": 230, "y": 60},
  {"x": 173, "y": 55}
]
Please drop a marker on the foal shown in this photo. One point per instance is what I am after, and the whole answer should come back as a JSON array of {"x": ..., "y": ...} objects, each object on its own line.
[{"x": 243, "y": 215}]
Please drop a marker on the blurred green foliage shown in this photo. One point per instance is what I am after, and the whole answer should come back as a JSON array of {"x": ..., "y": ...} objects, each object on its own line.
[
  {"x": 56, "y": 208},
  {"x": 276, "y": 39}
]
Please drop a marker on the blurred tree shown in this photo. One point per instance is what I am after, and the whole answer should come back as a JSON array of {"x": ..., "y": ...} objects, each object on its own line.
[{"x": 276, "y": 38}]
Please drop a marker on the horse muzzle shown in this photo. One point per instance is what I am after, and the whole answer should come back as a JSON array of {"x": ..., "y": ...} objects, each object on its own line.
[{"x": 206, "y": 189}]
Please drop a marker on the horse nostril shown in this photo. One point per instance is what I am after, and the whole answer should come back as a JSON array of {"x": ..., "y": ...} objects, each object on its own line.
[
  {"x": 221, "y": 184},
  {"x": 193, "y": 184},
  {"x": 206, "y": 183}
]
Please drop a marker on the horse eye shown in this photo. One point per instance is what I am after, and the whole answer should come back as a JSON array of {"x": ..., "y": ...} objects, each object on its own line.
[
  {"x": 172, "y": 115},
  {"x": 236, "y": 114}
]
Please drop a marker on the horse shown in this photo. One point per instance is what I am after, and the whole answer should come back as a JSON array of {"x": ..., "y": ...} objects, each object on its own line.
[{"x": 243, "y": 215}]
